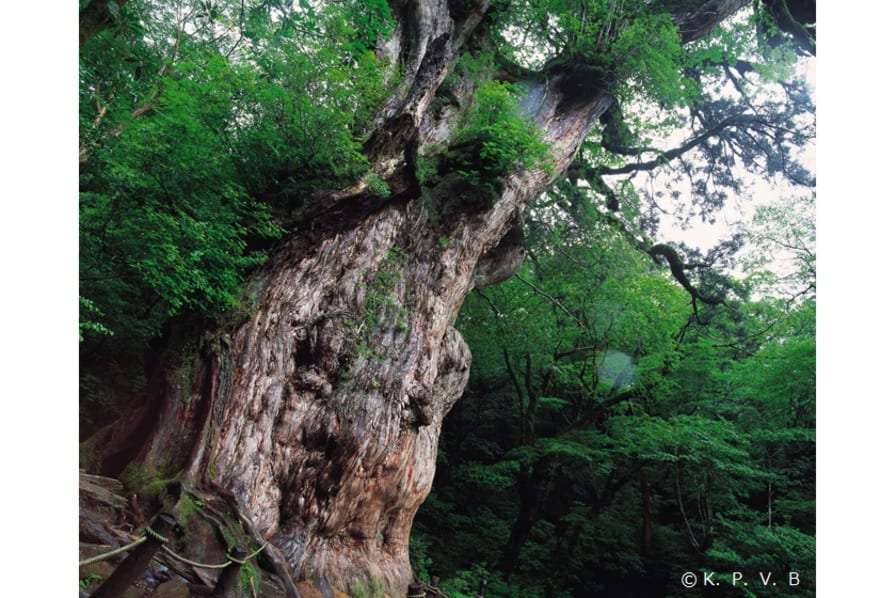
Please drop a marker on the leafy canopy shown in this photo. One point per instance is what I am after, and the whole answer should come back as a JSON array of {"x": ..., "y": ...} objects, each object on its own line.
[{"x": 204, "y": 128}]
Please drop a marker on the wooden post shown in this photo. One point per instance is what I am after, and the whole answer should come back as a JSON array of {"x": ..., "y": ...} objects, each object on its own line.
[
  {"x": 482, "y": 588},
  {"x": 231, "y": 574},
  {"x": 415, "y": 590},
  {"x": 137, "y": 561}
]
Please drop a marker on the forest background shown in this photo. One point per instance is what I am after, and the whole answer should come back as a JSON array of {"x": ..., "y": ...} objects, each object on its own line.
[{"x": 40, "y": 247}]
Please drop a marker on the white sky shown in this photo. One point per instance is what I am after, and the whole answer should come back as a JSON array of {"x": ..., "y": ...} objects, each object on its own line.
[{"x": 738, "y": 210}]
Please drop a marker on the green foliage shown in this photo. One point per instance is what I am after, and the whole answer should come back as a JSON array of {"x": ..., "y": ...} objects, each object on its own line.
[
  {"x": 723, "y": 46},
  {"x": 492, "y": 477},
  {"x": 534, "y": 33},
  {"x": 631, "y": 48},
  {"x": 591, "y": 393},
  {"x": 418, "y": 548},
  {"x": 781, "y": 261},
  {"x": 190, "y": 135},
  {"x": 466, "y": 583},
  {"x": 85, "y": 582},
  {"x": 203, "y": 129},
  {"x": 652, "y": 69},
  {"x": 377, "y": 185},
  {"x": 85, "y": 321},
  {"x": 471, "y": 67},
  {"x": 503, "y": 139},
  {"x": 426, "y": 166},
  {"x": 492, "y": 139},
  {"x": 304, "y": 108}
]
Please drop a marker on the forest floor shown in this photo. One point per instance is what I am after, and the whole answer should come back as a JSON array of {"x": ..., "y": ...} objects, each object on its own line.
[{"x": 109, "y": 518}]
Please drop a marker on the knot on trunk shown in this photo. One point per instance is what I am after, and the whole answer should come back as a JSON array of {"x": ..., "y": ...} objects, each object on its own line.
[
  {"x": 311, "y": 379},
  {"x": 501, "y": 262},
  {"x": 454, "y": 370},
  {"x": 420, "y": 405}
]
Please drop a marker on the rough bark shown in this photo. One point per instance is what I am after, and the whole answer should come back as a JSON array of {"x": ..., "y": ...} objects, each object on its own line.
[{"x": 320, "y": 412}]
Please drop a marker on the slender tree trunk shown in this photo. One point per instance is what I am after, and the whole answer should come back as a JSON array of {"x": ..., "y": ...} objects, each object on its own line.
[
  {"x": 320, "y": 411},
  {"x": 646, "y": 515},
  {"x": 528, "y": 483}
]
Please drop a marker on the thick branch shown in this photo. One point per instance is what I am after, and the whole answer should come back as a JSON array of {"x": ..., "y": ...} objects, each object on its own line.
[
  {"x": 677, "y": 268},
  {"x": 697, "y": 23},
  {"x": 665, "y": 157},
  {"x": 802, "y": 30}
]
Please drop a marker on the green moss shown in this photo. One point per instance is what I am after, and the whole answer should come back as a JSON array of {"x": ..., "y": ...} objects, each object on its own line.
[
  {"x": 460, "y": 192},
  {"x": 381, "y": 303},
  {"x": 230, "y": 536},
  {"x": 87, "y": 450},
  {"x": 147, "y": 482},
  {"x": 155, "y": 487},
  {"x": 250, "y": 579},
  {"x": 372, "y": 587},
  {"x": 189, "y": 507},
  {"x": 134, "y": 478}
]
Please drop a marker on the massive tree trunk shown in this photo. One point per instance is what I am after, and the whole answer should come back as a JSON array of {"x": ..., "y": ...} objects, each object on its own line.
[{"x": 320, "y": 410}]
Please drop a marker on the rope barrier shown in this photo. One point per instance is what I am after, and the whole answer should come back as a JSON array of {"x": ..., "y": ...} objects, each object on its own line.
[
  {"x": 149, "y": 532},
  {"x": 193, "y": 563},
  {"x": 230, "y": 559},
  {"x": 111, "y": 553},
  {"x": 251, "y": 556}
]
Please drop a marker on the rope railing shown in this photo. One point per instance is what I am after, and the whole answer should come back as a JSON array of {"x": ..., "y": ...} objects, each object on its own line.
[
  {"x": 230, "y": 559},
  {"x": 111, "y": 553},
  {"x": 144, "y": 550},
  {"x": 149, "y": 532},
  {"x": 153, "y": 539}
]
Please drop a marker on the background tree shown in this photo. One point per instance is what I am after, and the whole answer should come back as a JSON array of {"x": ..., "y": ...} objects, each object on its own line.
[{"x": 631, "y": 445}]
